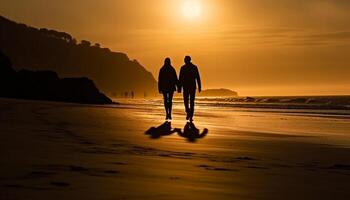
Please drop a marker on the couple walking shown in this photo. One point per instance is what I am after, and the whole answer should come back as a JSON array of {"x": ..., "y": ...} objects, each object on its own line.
[{"x": 168, "y": 83}]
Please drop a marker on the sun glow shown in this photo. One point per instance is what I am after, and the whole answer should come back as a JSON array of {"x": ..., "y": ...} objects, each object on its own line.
[{"x": 192, "y": 9}]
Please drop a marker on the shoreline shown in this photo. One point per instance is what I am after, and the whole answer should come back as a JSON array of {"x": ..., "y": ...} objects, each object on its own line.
[{"x": 66, "y": 151}]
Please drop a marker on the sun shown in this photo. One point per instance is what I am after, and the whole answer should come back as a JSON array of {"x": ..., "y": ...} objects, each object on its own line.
[{"x": 192, "y": 9}]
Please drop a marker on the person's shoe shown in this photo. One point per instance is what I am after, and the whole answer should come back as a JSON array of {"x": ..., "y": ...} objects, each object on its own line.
[
  {"x": 187, "y": 117},
  {"x": 170, "y": 118}
]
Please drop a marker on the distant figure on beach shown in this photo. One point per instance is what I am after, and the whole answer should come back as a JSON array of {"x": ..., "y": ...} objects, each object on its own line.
[
  {"x": 167, "y": 83},
  {"x": 189, "y": 76}
]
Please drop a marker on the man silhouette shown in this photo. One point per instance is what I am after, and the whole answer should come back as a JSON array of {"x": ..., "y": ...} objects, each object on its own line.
[
  {"x": 167, "y": 82},
  {"x": 189, "y": 75}
]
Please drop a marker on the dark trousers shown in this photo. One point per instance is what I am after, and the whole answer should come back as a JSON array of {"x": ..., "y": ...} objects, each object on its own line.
[
  {"x": 189, "y": 97},
  {"x": 168, "y": 101}
]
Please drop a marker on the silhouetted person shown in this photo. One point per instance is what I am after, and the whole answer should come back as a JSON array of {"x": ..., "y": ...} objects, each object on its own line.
[
  {"x": 189, "y": 76},
  {"x": 167, "y": 83},
  {"x": 162, "y": 130},
  {"x": 192, "y": 133}
]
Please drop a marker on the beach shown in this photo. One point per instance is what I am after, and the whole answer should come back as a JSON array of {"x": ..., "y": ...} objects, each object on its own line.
[{"x": 55, "y": 150}]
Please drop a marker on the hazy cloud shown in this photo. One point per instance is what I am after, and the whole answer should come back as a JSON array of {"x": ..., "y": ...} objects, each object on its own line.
[{"x": 271, "y": 36}]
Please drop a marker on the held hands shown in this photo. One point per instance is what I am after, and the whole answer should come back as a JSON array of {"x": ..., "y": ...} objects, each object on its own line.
[{"x": 178, "y": 88}]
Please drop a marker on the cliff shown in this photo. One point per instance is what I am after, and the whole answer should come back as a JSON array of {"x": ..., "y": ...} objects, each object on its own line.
[{"x": 43, "y": 49}]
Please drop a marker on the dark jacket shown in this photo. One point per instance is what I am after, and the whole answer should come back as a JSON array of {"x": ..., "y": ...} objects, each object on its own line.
[
  {"x": 167, "y": 79},
  {"x": 189, "y": 75}
]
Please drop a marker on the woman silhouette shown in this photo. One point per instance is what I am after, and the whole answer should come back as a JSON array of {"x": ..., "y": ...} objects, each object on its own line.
[{"x": 167, "y": 83}]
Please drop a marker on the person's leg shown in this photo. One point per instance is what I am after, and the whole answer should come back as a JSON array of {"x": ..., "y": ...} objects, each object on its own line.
[
  {"x": 168, "y": 105},
  {"x": 171, "y": 94},
  {"x": 186, "y": 96},
  {"x": 165, "y": 97},
  {"x": 192, "y": 100}
]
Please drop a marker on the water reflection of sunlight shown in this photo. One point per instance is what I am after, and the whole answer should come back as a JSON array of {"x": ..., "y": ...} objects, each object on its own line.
[{"x": 226, "y": 122}]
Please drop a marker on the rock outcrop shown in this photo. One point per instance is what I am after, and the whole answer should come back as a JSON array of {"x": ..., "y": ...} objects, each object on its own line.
[
  {"x": 218, "y": 93},
  {"x": 46, "y": 85}
]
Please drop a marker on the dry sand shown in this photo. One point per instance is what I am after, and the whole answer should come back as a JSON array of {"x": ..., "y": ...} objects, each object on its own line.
[{"x": 69, "y": 151}]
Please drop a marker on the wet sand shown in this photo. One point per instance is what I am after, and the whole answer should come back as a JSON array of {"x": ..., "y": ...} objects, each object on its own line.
[{"x": 69, "y": 151}]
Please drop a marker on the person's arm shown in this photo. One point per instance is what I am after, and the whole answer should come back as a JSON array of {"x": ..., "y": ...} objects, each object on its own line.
[
  {"x": 160, "y": 81},
  {"x": 198, "y": 78},
  {"x": 179, "y": 87},
  {"x": 176, "y": 80}
]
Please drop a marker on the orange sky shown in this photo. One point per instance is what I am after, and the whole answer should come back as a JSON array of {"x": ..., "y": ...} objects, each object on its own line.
[{"x": 256, "y": 47}]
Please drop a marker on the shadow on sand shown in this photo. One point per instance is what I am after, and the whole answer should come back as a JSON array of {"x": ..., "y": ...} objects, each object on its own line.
[
  {"x": 190, "y": 131},
  {"x": 160, "y": 131}
]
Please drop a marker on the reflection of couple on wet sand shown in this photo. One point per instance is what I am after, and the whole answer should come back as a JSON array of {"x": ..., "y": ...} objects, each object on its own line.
[
  {"x": 168, "y": 83},
  {"x": 190, "y": 131}
]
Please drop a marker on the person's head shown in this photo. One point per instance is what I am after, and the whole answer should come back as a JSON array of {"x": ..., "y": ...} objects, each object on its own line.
[
  {"x": 167, "y": 62},
  {"x": 188, "y": 59}
]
